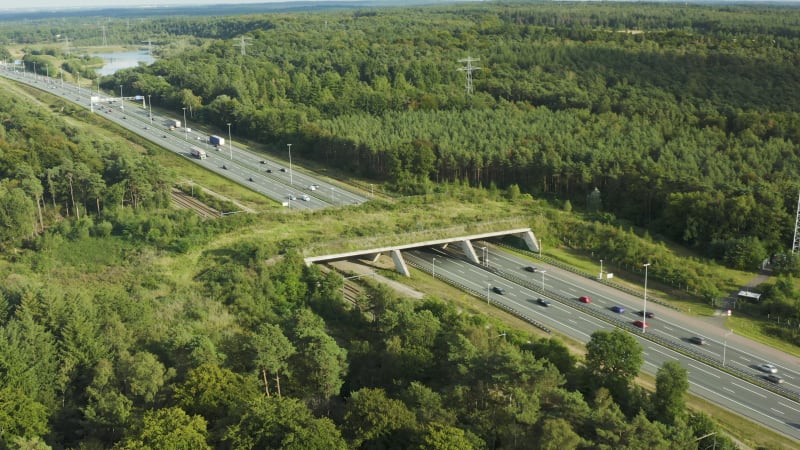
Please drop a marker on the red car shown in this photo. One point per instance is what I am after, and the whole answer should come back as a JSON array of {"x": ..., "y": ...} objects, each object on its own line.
[
  {"x": 584, "y": 299},
  {"x": 641, "y": 324}
]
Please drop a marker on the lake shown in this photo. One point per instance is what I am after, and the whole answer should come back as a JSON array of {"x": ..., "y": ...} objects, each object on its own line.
[{"x": 123, "y": 60}]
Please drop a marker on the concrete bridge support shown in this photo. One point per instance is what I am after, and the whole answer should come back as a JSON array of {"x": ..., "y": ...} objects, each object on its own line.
[
  {"x": 400, "y": 263},
  {"x": 530, "y": 240},
  {"x": 469, "y": 251}
]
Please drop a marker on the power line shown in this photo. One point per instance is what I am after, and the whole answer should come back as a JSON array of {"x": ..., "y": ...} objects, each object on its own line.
[
  {"x": 469, "y": 68},
  {"x": 243, "y": 44}
]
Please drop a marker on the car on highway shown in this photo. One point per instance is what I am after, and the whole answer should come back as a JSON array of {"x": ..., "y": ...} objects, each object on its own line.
[
  {"x": 584, "y": 299},
  {"x": 250, "y": 179},
  {"x": 283, "y": 169},
  {"x": 305, "y": 197},
  {"x": 530, "y": 269},
  {"x": 648, "y": 314},
  {"x": 640, "y": 324},
  {"x": 543, "y": 301},
  {"x": 263, "y": 162},
  {"x": 292, "y": 197},
  {"x": 269, "y": 170},
  {"x": 618, "y": 309},
  {"x": 313, "y": 187},
  {"x": 498, "y": 290},
  {"x": 768, "y": 368},
  {"x": 699, "y": 340},
  {"x": 225, "y": 167},
  {"x": 773, "y": 378}
]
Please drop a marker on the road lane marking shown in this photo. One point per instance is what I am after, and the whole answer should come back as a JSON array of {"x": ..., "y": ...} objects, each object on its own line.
[
  {"x": 667, "y": 328},
  {"x": 750, "y": 390},
  {"x": 779, "y": 412},
  {"x": 659, "y": 351},
  {"x": 704, "y": 371},
  {"x": 729, "y": 390},
  {"x": 787, "y": 406},
  {"x": 739, "y": 403}
]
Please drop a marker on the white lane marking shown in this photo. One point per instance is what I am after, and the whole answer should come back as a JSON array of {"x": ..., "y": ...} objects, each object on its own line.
[
  {"x": 652, "y": 364},
  {"x": 729, "y": 390},
  {"x": 659, "y": 351},
  {"x": 704, "y": 371},
  {"x": 787, "y": 406},
  {"x": 573, "y": 321},
  {"x": 738, "y": 403},
  {"x": 779, "y": 412},
  {"x": 743, "y": 358},
  {"x": 749, "y": 390},
  {"x": 667, "y": 328}
]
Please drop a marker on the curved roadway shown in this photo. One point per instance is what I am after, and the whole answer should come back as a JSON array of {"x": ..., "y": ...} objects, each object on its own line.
[
  {"x": 577, "y": 320},
  {"x": 269, "y": 177}
]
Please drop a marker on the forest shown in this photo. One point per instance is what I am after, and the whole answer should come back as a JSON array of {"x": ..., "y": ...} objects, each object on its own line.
[{"x": 127, "y": 324}]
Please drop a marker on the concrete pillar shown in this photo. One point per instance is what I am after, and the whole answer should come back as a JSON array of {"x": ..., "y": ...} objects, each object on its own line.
[
  {"x": 466, "y": 246},
  {"x": 400, "y": 263},
  {"x": 530, "y": 240},
  {"x": 373, "y": 257}
]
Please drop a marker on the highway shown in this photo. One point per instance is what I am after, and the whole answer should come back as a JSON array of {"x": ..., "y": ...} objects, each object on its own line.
[
  {"x": 272, "y": 178},
  {"x": 577, "y": 320}
]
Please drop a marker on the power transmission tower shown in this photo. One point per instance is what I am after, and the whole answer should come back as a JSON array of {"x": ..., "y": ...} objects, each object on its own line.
[
  {"x": 66, "y": 45},
  {"x": 105, "y": 42},
  {"x": 149, "y": 47},
  {"x": 243, "y": 44},
  {"x": 469, "y": 68},
  {"x": 796, "y": 241}
]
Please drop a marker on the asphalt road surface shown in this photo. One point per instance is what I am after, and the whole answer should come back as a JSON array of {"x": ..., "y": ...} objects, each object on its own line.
[
  {"x": 274, "y": 179},
  {"x": 578, "y": 321}
]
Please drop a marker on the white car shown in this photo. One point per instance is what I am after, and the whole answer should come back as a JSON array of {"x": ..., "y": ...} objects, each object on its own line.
[
  {"x": 768, "y": 368},
  {"x": 305, "y": 197}
]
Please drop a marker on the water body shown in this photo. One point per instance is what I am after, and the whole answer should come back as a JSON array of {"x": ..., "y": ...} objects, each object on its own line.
[{"x": 123, "y": 60}]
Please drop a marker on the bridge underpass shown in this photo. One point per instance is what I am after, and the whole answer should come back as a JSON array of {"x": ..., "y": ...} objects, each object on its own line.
[{"x": 395, "y": 251}]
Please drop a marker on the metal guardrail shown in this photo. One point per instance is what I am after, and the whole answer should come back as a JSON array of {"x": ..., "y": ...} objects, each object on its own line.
[
  {"x": 686, "y": 350},
  {"x": 506, "y": 308},
  {"x": 560, "y": 265}
]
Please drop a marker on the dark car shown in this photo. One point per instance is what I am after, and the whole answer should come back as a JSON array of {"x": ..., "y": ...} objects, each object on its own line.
[
  {"x": 283, "y": 169},
  {"x": 699, "y": 340},
  {"x": 618, "y": 309},
  {"x": 263, "y": 162},
  {"x": 773, "y": 378},
  {"x": 498, "y": 290},
  {"x": 542, "y": 301},
  {"x": 250, "y": 179},
  {"x": 269, "y": 170},
  {"x": 225, "y": 167},
  {"x": 530, "y": 269},
  {"x": 648, "y": 314}
]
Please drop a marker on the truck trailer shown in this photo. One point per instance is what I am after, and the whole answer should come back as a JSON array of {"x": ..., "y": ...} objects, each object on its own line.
[
  {"x": 199, "y": 153},
  {"x": 172, "y": 124},
  {"x": 216, "y": 140}
]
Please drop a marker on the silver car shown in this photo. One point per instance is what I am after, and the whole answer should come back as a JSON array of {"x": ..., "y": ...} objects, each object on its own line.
[{"x": 768, "y": 368}]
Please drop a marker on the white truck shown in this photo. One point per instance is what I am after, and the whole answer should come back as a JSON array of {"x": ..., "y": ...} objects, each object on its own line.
[
  {"x": 172, "y": 124},
  {"x": 199, "y": 153}
]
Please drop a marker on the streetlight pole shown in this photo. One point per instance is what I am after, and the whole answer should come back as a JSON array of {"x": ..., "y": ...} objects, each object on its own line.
[
  {"x": 488, "y": 285},
  {"x": 644, "y": 310},
  {"x": 725, "y": 346},
  {"x": 601, "y": 270},
  {"x": 185, "y": 128},
  {"x": 121, "y": 98},
  {"x": 150, "y": 102},
  {"x": 291, "y": 182},
  {"x": 34, "y": 70},
  {"x": 230, "y": 142},
  {"x": 433, "y": 271},
  {"x": 543, "y": 272}
]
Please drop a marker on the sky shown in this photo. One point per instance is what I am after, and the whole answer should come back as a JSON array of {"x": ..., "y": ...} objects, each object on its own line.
[{"x": 15, "y": 5}]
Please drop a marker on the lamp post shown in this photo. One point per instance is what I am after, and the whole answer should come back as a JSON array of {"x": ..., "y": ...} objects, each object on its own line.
[
  {"x": 644, "y": 310},
  {"x": 601, "y": 270},
  {"x": 150, "y": 102},
  {"x": 433, "y": 271},
  {"x": 121, "y": 98},
  {"x": 291, "y": 183},
  {"x": 485, "y": 256},
  {"x": 543, "y": 272},
  {"x": 185, "y": 128},
  {"x": 230, "y": 142},
  {"x": 34, "y": 70},
  {"x": 725, "y": 346},
  {"x": 488, "y": 286}
]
